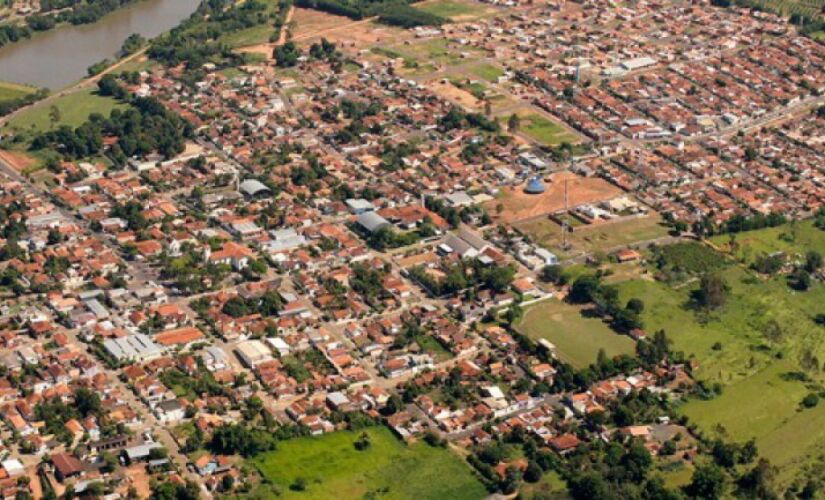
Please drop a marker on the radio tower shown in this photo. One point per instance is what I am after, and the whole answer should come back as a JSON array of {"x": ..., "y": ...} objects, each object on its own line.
[{"x": 564, "y": 226}]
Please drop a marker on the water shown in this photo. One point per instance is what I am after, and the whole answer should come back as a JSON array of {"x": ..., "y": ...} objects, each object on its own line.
[{"x": 57, "y": 58}]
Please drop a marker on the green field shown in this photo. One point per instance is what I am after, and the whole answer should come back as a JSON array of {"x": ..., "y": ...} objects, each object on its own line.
[
  {"x": 75, "y": 109},
  {"x": 546, "y": 131},
  {"x": 250, "y": 36},
  {"x": 487, "y": 71},
  {"x": 751, "y": 345},
  {"x": 792, "y": 239},
  {"x": 589, "y": 239},
  {"x": 577, "y": 338},
  {"x": 453, "y": 9},
  {"x": 435, "y": 50},
  {"x": 9, "y": 91},
  {"x": 333, "y": 468},
  {"x": 766, "y": 407}
]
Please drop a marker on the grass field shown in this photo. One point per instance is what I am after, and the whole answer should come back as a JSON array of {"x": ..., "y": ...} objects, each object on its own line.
[
  {"x": 487, "y": 71},
  {"x": 751, "y": 345},
  {"x": 589, "y": 239},
  {"x": 577, "y": 338},
  {"x": 9, "y": 91},
  {"x": 766, "y": 407},
  {"x": 249, "y": 36},
  {"x": 792, "y": 239},
  {"x": 546, "y": 131},
  {"x": 75, "y": 109},
  {"x": 454, "y": 9},
  {"x": 333, "y": 468}
]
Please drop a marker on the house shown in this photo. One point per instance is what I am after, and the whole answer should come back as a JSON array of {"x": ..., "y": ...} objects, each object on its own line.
[
  {"x": 170, "y": 411},
  {"x": 66, "y": 466},
  {"x": 232, "y": 254}
]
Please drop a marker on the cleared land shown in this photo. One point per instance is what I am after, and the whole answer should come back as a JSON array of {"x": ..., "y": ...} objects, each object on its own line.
[
  {"x": 577, "y": 337},
  {"x": 74, "y": 108},
  {"x": 601, "y": 236},
  {"x": 9, "y": 91},
  {"x": 546, "y": 131},
  {"x": 517, "y": 205},
  {"x": 333, "y": 468}
]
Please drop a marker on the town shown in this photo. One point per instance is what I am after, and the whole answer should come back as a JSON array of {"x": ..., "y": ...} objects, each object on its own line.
[{"x": 511, "y": 250}]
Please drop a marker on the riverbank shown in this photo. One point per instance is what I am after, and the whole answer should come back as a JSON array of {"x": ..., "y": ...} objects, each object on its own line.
[{"x": 10, "y": 91}]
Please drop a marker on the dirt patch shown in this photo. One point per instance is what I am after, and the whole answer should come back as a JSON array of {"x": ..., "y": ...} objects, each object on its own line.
[
  {"x": 309, "y": 26},
  {"x": 138, "y": 478},
  {"x": 17, "y": 160},
  {"x": 518, "y": 205},
  {"x": 455, "y": 95}
]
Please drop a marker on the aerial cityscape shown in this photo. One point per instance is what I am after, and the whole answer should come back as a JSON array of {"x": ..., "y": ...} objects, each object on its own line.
[{"x": 388, "y": 249}]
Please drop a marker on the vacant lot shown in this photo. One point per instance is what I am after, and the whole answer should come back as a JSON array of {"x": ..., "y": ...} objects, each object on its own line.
[
  {"x": 516, "y": 205},
  {"x": 577, "y": 337},
  {"x": 603, "y": 236},
  {"x": 74, "y": 109},
  {"x": 333, "y": 468},
  {"x": 9, "y": 91},
  {"x": 546, "y": 131}
]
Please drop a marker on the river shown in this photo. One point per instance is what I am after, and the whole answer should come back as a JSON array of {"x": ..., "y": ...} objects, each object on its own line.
[{"x": 57, "y": 58}]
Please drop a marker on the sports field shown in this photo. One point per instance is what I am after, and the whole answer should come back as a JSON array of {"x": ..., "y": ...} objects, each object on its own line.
[
  {"x": 577, "y": 338},
  {"x": 546, "y": 131},
  {"x": 331, "y": 467}
]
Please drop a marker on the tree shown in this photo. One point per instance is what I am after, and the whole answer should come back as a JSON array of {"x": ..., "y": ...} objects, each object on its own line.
[
  {"x": 635, "y": 305},
  {"x": 287, "y": 55},
  {"x": 799, "y": 280},
  {"x": 513, "y": 123},
  {"x": 708, "y": 482},
  {"x": 552, "y": 274},
  {"x": 54, "y": 115},
  {"x": 533, "y": 472},
  {"x": 514, "y": 314},
  {"x": 756, "y": 483},
  {"x": 713, "y": 291},
  {"x": 813, "y": 261},
  {"x": 589, "y": 487},
  {"x": 87, "y": 402},
  {"x": 584, "y": 289}
]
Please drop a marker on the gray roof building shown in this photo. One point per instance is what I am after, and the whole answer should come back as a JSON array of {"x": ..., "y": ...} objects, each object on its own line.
[{"x": 372, "y": 222}]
